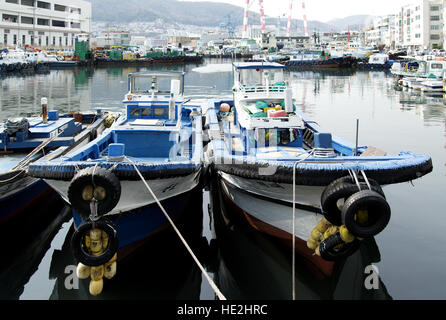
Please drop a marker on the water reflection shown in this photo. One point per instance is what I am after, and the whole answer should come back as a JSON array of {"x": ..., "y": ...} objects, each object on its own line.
[
  {"x": 250, "y": 265},
  {"x": 24, "y": 241}
]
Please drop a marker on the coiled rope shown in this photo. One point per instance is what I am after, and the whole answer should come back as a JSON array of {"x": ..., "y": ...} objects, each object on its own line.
[{"x": 211, "y": 282}]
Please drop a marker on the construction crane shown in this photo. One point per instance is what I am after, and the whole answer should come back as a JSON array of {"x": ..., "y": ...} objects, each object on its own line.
[
  {"x": 249, "y": 3},
  {"x": 228, "y": 26}
]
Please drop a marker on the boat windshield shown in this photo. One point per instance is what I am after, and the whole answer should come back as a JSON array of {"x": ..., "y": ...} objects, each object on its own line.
[
  {"x": 148, "y": 84},
  {"x": 260, "y": 77}
]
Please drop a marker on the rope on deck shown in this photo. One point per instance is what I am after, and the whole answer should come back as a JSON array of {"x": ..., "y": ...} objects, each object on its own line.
[{"x": 211, "y": 282}]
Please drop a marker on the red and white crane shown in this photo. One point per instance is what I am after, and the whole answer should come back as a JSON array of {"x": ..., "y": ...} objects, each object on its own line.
[{"x": 248, "y": 4}]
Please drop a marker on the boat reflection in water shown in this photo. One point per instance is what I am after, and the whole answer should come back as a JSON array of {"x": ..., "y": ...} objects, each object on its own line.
[
  {"x": 159, "y": 269},
  {"x": 25, "y": 240},
  {"x": 252, "y": 265}
]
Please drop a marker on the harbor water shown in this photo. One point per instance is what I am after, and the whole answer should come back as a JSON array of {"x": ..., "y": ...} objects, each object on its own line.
[{"x": 408, "y": 255}]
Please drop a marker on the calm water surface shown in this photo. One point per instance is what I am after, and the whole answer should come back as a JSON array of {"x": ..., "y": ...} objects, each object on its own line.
[{"x": 409, "y": 254}]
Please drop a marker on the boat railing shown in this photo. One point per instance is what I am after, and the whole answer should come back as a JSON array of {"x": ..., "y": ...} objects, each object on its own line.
[{"x": 263, "y": 89}]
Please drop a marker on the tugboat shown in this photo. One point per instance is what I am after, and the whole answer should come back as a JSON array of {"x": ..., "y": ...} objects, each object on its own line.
[
  {"x": 274, "y": 163},
  {"x": 24, "y": 140},
  {"x": 118, "y": 184}
]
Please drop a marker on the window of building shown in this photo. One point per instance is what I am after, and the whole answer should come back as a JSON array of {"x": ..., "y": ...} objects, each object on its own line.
[
  {"x": 14, "y": 39},
  {"x": 40, "y": 41},
  {"x": 60, "y": 41},
  {"x": 435, "y": 37},
  {"x": 29, "y": 3},
  {"x": 58, "y": 7},
  {"x": 435, "y": 27},
  {"x": 23, "y": 39},
  {"x": 43, "y": 22},
  {"x": 32, "y": 40},
  {"x": 9, "y": 18},
  {"x": 418, "y": 35},
  {"x": 44, "y": 5},
  {"x": 54, "y": 41},
  {"x": 75, "y": 10},
  {"x": 5, "y": 39},
  {"x": 66, "y": 41},
  {"x": 58, "y": 23},
  {"x": 435, "y": 8},
  {"x": 12, "y": 1},
  {"x": 75, "y": 25},
  {"x": 27, "y": 20},
  {"x": 47, "y": 42},
  {"x": 435, "y": 18}
]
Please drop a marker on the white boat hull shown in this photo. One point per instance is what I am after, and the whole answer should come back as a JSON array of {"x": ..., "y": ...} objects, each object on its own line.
[
  {"x": 134, "y": 194},
  {"x": 271, "y": 203}
]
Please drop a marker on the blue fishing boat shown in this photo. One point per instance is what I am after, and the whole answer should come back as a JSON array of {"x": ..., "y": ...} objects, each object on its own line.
[
  {"x": 155, "y": 145},
  {"x": 272, "y": 161},
  {"x": 24, "y": 140}
]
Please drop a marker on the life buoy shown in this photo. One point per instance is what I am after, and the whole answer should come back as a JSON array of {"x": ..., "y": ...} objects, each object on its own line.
[
  {"x": 375, "y": 209},
  {"x": 329, "y": 251},
  {"x": 97, "y": 183},
  {"x": 81, "y": 244},
  {"x": 342, "y": 188}
]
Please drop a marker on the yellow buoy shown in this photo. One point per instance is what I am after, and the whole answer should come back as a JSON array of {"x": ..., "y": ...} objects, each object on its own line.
[
  {"x": 331, "y": 231},
  {"x": 87, "y": 240},
  {"x": 110, "y": 269},
  {"x": 316, "y": 235},
  {"x": 311, "y": 244},
  {"x": 346, "y": 236},
  {"x": 99, "y": 193},
  {"x": 104, "y": 240},
  {"x": 96, "y": 287},
  {"x": 95, "y": 234},
  {"x": 323, "y": 225},
  {"x": 96, "y": 247},
  {"x": 317, "y": 251},
  {"x": 97, "y": 273},
  {"x": 82, "y": 271},
  {"x": 87, "y": 193},
  {"x": 362, "y": 216}
]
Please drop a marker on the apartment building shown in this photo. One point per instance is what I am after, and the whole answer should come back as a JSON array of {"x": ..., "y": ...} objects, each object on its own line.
[
  {"x": 419, "y": 26},
  {"x": 43, "y": 24}
]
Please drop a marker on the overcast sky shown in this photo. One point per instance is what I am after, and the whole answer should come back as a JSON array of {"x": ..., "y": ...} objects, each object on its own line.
[{"x": 324, "y": 10}]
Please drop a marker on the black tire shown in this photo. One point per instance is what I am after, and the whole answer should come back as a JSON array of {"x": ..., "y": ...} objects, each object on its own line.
[
  {"x": 103, "y": 178},
  {"x": 378, "y": 213},
  {"x": 328, "y": 252},
  {"x": 81, "y": 252},
  {"x": 339, "y": 189}
]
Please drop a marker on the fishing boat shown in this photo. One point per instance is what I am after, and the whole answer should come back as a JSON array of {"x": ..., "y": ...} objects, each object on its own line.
[
  {"x": 419, "y": 69},
  {"x": 25, "y": 140},
  {"x": 147, "y": 162},
  {"x": 317, "y": 59},
  {"x": 377, "y": 61},
  {"x": 272, "y": 160},
  {"x": 432, "y": 86}
]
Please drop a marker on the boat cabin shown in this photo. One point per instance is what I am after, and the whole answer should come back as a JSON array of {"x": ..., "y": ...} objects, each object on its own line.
[{"x": 154, "y": 98}]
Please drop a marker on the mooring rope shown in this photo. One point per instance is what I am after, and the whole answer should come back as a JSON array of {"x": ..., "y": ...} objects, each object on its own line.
[{"x": 211, "y": 282}]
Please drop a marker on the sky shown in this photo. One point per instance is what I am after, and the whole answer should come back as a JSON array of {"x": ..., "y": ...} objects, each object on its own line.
[{"x": 324, "y": 10}]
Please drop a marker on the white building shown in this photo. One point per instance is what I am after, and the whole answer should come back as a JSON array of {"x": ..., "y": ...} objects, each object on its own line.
[
  {"x": 419, "y": 26},
  {"x": 383, "y": 32},
  {"x": 44, "y": 24}
]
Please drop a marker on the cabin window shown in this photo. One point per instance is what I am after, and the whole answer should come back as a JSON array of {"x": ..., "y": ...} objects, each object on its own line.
[
  {"x": 437, "y": 66},
  {"x": 135, "y": 112},
  {"x": 147, "y": 112},
  {"x": 160, "y": 112}
]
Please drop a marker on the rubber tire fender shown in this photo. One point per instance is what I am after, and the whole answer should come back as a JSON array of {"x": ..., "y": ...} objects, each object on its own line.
[
  {"x": 81, "y": 253},
  {"x": 102, "y": 177},
  {"x": 326, "y": 248},
  {"x": 342, "y": 188},
  {"x": 378, "y": 208}
]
